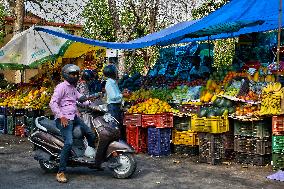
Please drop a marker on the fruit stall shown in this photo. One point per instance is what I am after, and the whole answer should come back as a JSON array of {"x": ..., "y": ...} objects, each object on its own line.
[
  {"x": 232, "y": 116},
  {"x": 21, "y": 103}
]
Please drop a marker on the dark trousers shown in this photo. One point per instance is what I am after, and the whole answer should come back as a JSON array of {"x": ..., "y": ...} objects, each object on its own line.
[
  {"x": 115, "y": 110},
  {"x": 67, "y": 134}
]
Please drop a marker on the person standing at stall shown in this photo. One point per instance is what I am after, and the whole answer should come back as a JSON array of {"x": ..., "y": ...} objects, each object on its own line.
[{"x": 114, "y": 95}]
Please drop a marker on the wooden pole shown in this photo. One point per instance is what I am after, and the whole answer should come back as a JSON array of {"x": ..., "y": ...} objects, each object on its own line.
[{"x": 279, "y": 33}]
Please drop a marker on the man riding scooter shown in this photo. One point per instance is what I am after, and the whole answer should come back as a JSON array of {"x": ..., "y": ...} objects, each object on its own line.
[{"x": 63, "y": 106}]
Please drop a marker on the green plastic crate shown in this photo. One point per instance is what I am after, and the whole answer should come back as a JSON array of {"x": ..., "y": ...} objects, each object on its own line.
[
  {"x": 278, "y": 144},
  {"x": 278, "y": 161}
]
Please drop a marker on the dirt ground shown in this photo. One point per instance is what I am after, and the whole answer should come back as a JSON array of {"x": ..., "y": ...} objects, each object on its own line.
[{"x": 20, "y": 170}]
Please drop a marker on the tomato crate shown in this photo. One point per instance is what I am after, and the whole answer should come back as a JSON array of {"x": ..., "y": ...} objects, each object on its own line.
[
  {"x": 182, "y": 123},
  {"x": 278, "y": 125},
  {"x": 159, "y": 141},
  {"x": 132, "y": 119},
  {"x": 278, "y": 161},
  {"x": 189, "y": 138},
  {"x": 164, "y": 120},
  {"x": 189, "y": 108},
  {"x": 3, "y": 125},
  {"x": 137, "y": 138},
  {"x": 278, "y": 144},
  {"x": 218, "y": 124},
  {"x": 185, "y": 149},
  {"x": 198, "y": 124}
]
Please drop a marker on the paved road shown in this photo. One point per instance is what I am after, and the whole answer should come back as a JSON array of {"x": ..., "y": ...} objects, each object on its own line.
[{"x": 18, "y": 169}]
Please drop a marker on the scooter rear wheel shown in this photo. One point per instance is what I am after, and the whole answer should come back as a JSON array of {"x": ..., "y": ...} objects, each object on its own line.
[
  {"x": 48, "y": 166},
  {"x": 127, "y": 167}
]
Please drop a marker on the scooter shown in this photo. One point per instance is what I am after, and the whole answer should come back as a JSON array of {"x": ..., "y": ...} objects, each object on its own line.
[{"x": 118, "y": 155}]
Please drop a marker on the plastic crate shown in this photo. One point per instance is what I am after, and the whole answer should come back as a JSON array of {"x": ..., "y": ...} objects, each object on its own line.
[
  {"x": 244, "y": 145},
  {"x": 3, "y": 126},
  {"x": 32, "y": 113},
  {"x": 132, "y": 119},
  {"x": 3, "y": 110},
  {"x": 217, "y": 124},
  {"x": 188, "y": 108},
  {"x": 278, "y": 144},
  {"x": 19, "y": 112},
  {"x": 278, "y": 161},
  {"x": 20, "y": 130},
  {"x": 184, "y": 149},
  {"x": 10, "y": 125},
  {"x": 19, "y": 120},
  {"x": 164, "y": 120},
  {"x": 137, "y": 138},
  {"x": 211, "y": 148},
  {"x": 159, "y": 141},
  {"x": 189, "y": 138},
  {"x": 182, "y": 123},
  {"x": 262, "y": 146},
  {"x": 198, "y": 124},
  {"x": 259, "y": 160},
  {"x": 278, "y": 125},
  {"x": 259, "y": 129},
  {"x": 242, "y": 128},
  {"x": 228, "y": 141}
]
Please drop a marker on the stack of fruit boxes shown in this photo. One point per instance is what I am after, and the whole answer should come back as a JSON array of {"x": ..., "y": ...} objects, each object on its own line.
[
  {"x": 278, "y": 142},
  {"x": 159, "y": 132},
  {"x": 252, "y": 142}
]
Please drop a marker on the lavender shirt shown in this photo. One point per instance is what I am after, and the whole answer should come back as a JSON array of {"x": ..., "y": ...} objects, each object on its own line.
[{"x": 63, "y": 101}]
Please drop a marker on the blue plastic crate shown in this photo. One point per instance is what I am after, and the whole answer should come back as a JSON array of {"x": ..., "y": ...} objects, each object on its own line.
[
  {"x": 159, "y": 141},
  {"x": 3, "y": 110},
  {"x": 3, "y": 125}
]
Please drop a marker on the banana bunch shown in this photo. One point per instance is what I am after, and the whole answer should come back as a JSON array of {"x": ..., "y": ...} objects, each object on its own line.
[
  {"x": 271, "y": 102},
  {"x": 272, "y": 87}
]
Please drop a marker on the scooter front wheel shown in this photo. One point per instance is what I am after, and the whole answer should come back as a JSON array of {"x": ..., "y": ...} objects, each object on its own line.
[{"x": 127, "y": 165}]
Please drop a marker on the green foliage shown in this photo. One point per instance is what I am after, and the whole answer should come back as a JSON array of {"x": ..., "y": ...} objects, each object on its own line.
[
  {"x": 2, "y": 22},
  {"x": 98, "y": 24},
  {"x": 224, "y": 52},
  {"x": 207, "y": 7}
]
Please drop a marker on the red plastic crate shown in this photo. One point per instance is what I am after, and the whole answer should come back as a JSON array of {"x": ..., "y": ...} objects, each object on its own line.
[
  {"x": 278, "y": 125},
  {"x": 164, "y": 120},
  {"x": 132, "y": 119},
  {"x": 137, "y": 138},
  {"x": 20, "y": 130}
]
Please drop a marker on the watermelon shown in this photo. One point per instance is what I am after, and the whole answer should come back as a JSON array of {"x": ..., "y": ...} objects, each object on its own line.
[
  {"x": 218, "y": 111},
  {"x": 203, "y": 112},
  {"x": 222, "y": 102},
  {"x": 228, "y": 103},
  {"x": 211, "y": 113},
  {"x": 231, "y": 110},
  {"x": 217, "y": 101}
]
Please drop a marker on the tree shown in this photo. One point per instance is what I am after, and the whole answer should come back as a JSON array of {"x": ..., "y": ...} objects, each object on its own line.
[
  {"x": 130, "y": 19},
  {"x": 223, "y": 49}
]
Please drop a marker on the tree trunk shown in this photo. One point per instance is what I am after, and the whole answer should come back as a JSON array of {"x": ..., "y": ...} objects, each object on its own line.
[{"x": 19, "y": 16}]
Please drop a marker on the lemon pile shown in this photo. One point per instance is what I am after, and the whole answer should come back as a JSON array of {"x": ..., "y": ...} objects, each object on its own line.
[{"x": 151, "y": 106}]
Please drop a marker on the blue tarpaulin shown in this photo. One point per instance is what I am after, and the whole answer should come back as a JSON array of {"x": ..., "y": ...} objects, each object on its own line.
[{"x": 235, "y": 18}]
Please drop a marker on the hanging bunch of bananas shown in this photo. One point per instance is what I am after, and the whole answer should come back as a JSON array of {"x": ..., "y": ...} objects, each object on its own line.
[{"x": 271, "y": 99}]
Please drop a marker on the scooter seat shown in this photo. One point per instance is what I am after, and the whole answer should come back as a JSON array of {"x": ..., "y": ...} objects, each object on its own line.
[{"x": 50, "y": 126}]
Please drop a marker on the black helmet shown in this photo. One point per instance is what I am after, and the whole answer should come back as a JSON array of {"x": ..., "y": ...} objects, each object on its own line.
[
  {"x": 110, "y": 71},
  {"x": 70, "y": 73},
  {"x": 88, "y": 75}
]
